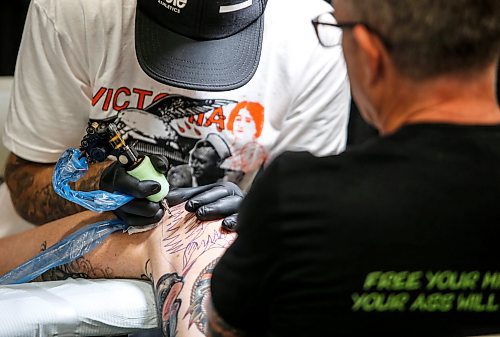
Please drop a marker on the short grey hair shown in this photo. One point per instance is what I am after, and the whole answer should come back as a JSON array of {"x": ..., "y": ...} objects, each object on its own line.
[{"x": 435, "y": 37}]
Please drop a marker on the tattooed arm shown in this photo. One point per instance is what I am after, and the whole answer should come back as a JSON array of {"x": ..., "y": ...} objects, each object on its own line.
[
  {"x": 118, "y": 256},
  {"x": 30, "y": 186}
]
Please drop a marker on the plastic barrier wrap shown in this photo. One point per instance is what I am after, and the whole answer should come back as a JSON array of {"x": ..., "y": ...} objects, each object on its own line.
[
  {"x": 72, "y": 166},
  {"x": 69, "y": 249},
  {"x": 77, "y": 307}
]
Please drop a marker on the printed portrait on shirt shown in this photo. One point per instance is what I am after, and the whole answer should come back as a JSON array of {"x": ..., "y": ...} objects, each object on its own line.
[
  {"x": 246, "y": 122},
  {"x": 206, "y": 158},
  {"x": 204, "y": 140}
]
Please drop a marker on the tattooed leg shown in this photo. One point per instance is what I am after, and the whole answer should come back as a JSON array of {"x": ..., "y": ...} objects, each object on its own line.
[
  {"x": 184, "y": 252},
  {"x": 178, "y": 256}
]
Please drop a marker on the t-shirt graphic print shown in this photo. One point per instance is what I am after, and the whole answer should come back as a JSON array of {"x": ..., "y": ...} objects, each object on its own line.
[{"x": 205, "y": 140}]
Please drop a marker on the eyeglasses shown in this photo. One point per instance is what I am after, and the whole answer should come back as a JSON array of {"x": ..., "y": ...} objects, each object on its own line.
[{"x": 329, "y": 32}]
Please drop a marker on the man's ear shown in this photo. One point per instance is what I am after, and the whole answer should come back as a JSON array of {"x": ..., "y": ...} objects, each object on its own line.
[{"x": 372, "y": 53}]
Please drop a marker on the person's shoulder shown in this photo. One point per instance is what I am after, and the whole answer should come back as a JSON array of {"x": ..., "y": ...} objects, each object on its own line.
[
  {"x": 65, "y": 14},
  {"x": 289, "y": 18},
  {"x": 296, "y": 161},
  {"x": 291, "y": 46},
  {"x": 303, "y": 169},
  {"x": 300, "y": 161},
  {"x": 85, "y": 4},
  {"x": 293, "y": 10},
  {"x": 340, "y": 170}
]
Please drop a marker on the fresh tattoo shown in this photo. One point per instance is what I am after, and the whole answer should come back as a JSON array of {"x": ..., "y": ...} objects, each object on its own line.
[
  {"x": 189, "y": 236},
  {"x": 30, "y": 185}
]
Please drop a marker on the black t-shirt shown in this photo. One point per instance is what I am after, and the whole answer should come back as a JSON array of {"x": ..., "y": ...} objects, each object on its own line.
[{"x": 399, "y": 237}]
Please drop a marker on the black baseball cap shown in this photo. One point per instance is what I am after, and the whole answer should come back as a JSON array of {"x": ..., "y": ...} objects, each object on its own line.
[{"x": 210, "y": 45}]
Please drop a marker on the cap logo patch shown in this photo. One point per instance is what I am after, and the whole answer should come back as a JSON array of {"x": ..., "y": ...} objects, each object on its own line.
[
  {"x": 234, "y": 8},
  {"x": 173, "y": 5}
]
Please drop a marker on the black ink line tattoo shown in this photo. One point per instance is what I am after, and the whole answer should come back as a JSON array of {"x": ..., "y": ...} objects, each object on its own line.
[
  {"x": 80, "y": 268},
  {"x": 189, "y": 236},
  {"x": 148, "y": 275}
]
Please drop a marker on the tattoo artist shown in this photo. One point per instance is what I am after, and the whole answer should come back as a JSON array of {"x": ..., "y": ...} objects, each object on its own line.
[{"x": 169, "y": 75}]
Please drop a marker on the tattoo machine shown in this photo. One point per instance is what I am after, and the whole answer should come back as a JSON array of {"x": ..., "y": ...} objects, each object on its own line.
[
  {"x": 104, "y": 139},
  {"x": 100, "y": 141},
  {"x": 71, "y": 167}
]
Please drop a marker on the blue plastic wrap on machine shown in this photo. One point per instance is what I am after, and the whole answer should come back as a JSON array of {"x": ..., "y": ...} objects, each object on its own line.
[{"x": 71, "y": 167}]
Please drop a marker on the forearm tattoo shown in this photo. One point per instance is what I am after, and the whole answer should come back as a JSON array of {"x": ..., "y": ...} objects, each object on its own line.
[
  {"x": 79, "y": 268},
  {"x": 34, "y": 198}
]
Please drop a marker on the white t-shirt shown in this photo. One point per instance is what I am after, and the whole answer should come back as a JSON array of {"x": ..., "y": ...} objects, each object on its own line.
[{"x": 77, "y": 62}]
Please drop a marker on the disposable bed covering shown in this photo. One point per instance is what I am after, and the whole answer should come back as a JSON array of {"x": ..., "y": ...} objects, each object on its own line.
[
  {"x": 77, "y": 307},
  {"x": 71, "y": 167}
]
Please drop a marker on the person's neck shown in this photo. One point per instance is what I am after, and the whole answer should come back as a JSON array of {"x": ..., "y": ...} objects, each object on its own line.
[{"x": 458, "y": 99}]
